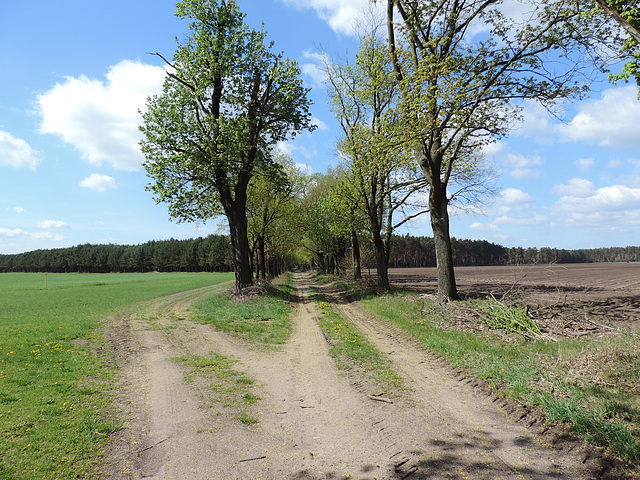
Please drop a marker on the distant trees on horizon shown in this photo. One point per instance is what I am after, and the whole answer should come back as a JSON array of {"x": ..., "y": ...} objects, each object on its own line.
[{"x": 214, "y": 254}]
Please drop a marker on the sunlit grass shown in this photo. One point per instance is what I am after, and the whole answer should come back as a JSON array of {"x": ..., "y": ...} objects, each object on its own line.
[
  {"x": 263, "y": 319},
  {"x": 351, "y": 350},
  {"x": 227, "y": 386},
  {"x": 54, "y": 405}
]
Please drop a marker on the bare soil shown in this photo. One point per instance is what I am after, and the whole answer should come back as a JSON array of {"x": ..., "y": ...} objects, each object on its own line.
[
  {"x": 315, "y": 422},
  {"x": 589, "y": 295}
]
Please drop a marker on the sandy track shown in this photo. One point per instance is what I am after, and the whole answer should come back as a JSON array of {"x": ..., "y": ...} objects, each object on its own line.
[{"x": 314, "y": 423}]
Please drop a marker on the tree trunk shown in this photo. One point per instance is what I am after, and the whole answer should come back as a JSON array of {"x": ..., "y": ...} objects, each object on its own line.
[
  {"x": 438, "y": 205},
  {"x": 240, "y": 246},
  {"x": 355, "y": 250},
  {"x": 382, "y": 260},
  {"x": 261, "y": 257}
]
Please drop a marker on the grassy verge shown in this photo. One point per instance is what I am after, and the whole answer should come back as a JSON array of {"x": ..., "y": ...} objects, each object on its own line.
[
  {"x": 353, "y": 352},
  {"x": 263, "y": 319},
  {"x": 54, "y": 402},
  {"x": 231, "y": 388},
  {"x": 592, "y": 384}
]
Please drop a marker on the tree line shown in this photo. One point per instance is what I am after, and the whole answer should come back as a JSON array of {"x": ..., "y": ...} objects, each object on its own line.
[
  {"x": 209, "y": 254},
  {"x": 214, "y": 254},
  {"x": 412, "y": 251}
]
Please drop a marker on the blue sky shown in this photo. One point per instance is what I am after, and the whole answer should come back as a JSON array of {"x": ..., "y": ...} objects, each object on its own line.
[{"x": 75, "y": 74}]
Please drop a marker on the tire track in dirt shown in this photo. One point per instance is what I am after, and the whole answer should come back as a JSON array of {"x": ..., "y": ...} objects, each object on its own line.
[
  {"x": 458, "y": 433},
  {"x": 314, "y": 422}
]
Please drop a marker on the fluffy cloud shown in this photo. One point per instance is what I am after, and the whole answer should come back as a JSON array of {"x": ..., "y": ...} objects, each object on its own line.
[
  {"x": 614, "y": 198},
  {"x": 47, "y": 236},
  {"x": 577, "y": 187},
  {"x": 53, "y": 224},
  {"x": 19, "y": 210},
  {"x": 510, "y": 199},
  {"x": 100, "y": 118},
  {"x": 513, "y": 196},
  {"x": 616, "y": 208},
  {"x": 536, "y": 123},
  {"x": 10, "y": 233},
  {"x": 15, "y": 152},
  {"x": 98, "y": 182},
  {"x": 484, "y": 227},
  {"x": 520, "y": 220},
  {"x": 610, "y": 121},
  {"x": 341, "y": 15},
  {"x": 514, "y": 164},
  {"x": 521, "y": 166},
  {"x": 319, "y": 123},
  {"x": 294, "y": 151},
  {"x": 17, "y": 232},
  {"x": 585, "y": 164},
  {"x": 313, "y": 67}
]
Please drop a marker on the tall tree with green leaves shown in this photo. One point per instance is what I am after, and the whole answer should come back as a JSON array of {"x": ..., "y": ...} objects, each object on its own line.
[
  {"x": 226, "y": 101},
  {"x": 324, "y": 222},
  {"x": 463, "y": 67},
  {"x": 379, "y": 178},
  {"x": 271, "y": 203}
]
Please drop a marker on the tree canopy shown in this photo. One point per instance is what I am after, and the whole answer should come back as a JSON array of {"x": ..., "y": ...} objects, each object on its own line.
[
  {"x": 227, "y": 100},
  {"x": 463, "y": 69}
]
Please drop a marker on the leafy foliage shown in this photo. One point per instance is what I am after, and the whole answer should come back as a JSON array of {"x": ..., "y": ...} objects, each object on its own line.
[
  {"x": 227, "y": 100},
  {"x": 461, "y": 91}
]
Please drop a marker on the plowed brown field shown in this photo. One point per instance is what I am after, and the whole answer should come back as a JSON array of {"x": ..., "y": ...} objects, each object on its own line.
[{"x": 604, "y": 292}]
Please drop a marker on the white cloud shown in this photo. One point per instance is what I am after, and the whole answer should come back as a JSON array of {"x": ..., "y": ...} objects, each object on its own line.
[
  {"x": 515, "y": 164},
  {"x": 291, "y": 150},
  {"x": 6, "y": 232},
  {"x": 614, "y": 198},
  {"x": 615, "y": 208},
  {"x": 319, "y": 123},
  {"x": 585, "y": 164},
  {"x": 100, "y": 118},
  {"x": 521, "y": 165},
  {"x": 47, "y": 236},
  {"x": 304, "y": 168},
  {"x": 340, "y": 15},
  {"x": 19, "y": 210},
  {"x": 98, "y": 182},
  {"x": 615, "y": 163},
  {"x": 17, "y": 232},
  {"x": 577, "y": 187},
  {"x": 484, "y": 227},
  {"x": 536, "y": 123},
  {"x": 610, "y": 121},
  {"x": 15, "y": 152},
  {"x": 521, "y": 220},
  {"x": 314, "y": 67},
  {"x": 53, "y": 224},
  {"x": 513, "y": 196}
]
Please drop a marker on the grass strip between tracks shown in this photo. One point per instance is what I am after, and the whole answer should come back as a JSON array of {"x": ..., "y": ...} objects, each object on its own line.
[
  {"x": 353, "y": 352},
  {"x": 230, "y": 388},
  {"x": 592, "y": 384},
  {"x": 263, "y": 319}
]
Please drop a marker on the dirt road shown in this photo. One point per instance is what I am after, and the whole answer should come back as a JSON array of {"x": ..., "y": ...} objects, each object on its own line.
[{"x": 314, "y": 422}]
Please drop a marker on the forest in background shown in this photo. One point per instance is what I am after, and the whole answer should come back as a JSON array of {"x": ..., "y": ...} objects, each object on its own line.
[{"x": 213, "y": 254}]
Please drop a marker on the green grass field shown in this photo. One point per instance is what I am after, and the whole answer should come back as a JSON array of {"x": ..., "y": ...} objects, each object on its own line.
[{"x": 54, "y": 412}]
